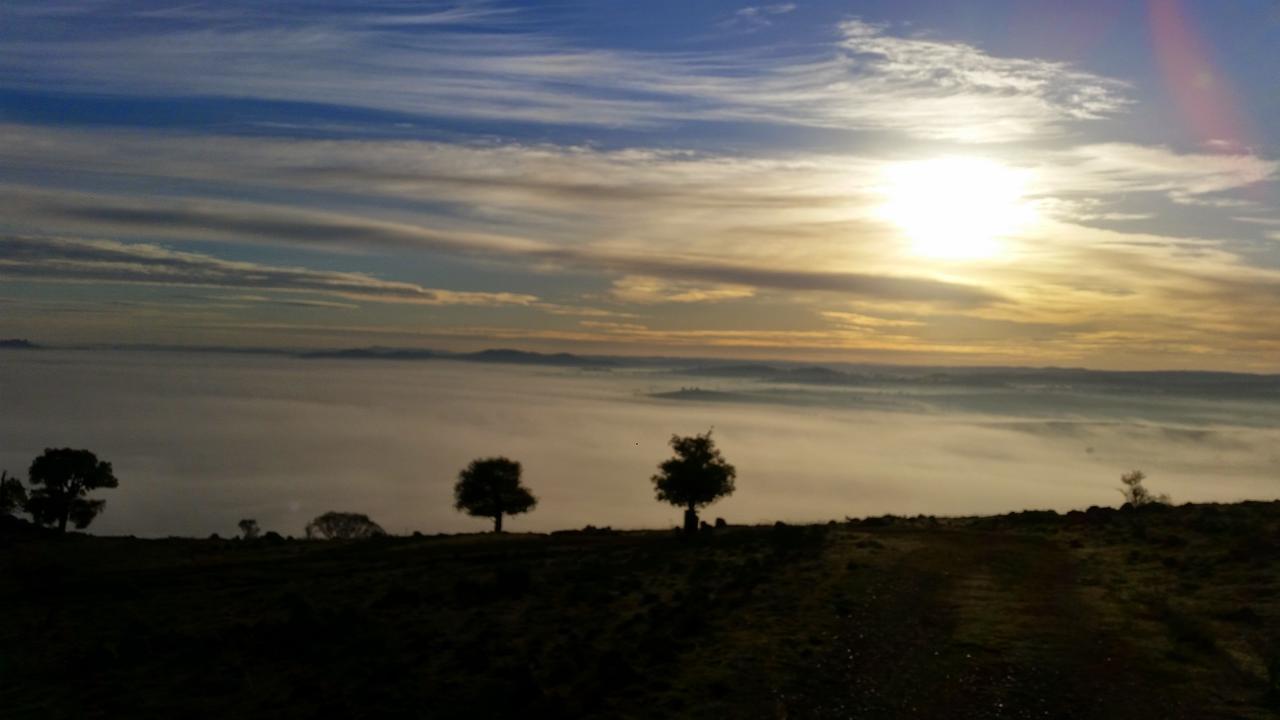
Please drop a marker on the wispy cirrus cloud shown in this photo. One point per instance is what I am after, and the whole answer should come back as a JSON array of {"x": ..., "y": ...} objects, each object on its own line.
[
  {"x": 536, "y": 184},
  {"x": 108, "y": 261},
  {"x": 867, "y": 76},
  {"x": 920, "y": 81},
  {"x": 538, "y": 177},
  {"x": 1125, "y": 167},
  {"x": 286, "y": 301},
  {"x": 756, "y": 17},
  {"x": 643, "y": 290}
]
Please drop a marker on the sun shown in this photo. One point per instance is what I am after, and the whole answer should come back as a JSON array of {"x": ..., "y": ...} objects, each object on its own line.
[{"x": 957, "y": 208}]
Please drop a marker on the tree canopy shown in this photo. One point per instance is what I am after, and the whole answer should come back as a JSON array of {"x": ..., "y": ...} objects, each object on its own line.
[
  {"x": 60, "y": 480},
  {"x": 1136, "y": 494},
  {"x": 343, "y": 526},
  {"x": 695, "y": 477},
  {"x": 13, "y": 496},
  {"x": 249, "y": 529},
  {"x": 490, "y": 487}
]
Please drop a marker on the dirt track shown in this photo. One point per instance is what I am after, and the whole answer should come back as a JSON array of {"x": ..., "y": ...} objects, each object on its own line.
[{"x": 983, "y": 625}]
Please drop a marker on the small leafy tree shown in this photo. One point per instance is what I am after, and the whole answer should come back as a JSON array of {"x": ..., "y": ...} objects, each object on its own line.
[
  {"x": 697, "y": 476},
  {"x": 60, "y": 479},
  {"x": 13, "y": 496},
  {"x": 344, "y": 526},
  {"x": 490, "y": 487},
  {"x": 249, "y": 529},
  {"x": 1135, "y": 493}
]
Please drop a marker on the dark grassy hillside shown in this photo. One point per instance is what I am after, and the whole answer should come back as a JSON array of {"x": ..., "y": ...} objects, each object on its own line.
[{"x": 1161, "y": 614}]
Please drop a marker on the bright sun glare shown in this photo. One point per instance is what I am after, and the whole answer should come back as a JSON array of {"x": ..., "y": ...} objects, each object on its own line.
[{"x": 956, "y": 207}]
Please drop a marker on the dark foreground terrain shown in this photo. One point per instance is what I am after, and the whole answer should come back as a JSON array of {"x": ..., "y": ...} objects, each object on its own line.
[{"x": 1166, "y": 613}]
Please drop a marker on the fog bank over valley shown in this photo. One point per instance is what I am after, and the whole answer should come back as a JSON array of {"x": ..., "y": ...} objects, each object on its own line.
[{"x": 200, "y": 440}]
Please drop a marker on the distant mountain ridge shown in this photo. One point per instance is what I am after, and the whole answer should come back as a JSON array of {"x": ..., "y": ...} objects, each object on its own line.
[
  {"x": 1185, "y": 381},
  {"x": 524, "y": 357},
  {"x": 1209, "y": 383},
  {"x": 17, "y": 344},
  {"x": 373, "y": 353},
  {"x": 497, "y": 355}
]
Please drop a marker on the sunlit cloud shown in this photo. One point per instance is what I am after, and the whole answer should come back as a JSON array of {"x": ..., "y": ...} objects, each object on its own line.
[
  {"x": 560, "y": 190},
  {"x": 858, "y": 320},
  {"x": 649, "y": 290},
  {"x": 236, "y": 222},
  {"x": 1185, "y": 177}
]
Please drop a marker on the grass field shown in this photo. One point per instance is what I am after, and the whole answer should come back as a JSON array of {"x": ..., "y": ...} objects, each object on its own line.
[{"x": 1168, "y": 613}]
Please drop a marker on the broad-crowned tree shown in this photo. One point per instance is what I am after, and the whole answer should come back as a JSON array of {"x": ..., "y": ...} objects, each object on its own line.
[
  {"x": 695, "y": 477},
  {"x": 490, "y": 487},
  {"x": 60, "y": 479},
  {"x": 344, "y": 526}
]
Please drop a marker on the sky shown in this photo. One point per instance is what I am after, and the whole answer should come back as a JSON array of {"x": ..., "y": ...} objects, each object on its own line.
[{"x": 1088, "y": 184}]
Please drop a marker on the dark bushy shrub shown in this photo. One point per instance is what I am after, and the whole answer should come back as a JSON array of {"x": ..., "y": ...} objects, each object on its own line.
[{"x": 343, "y": 526}]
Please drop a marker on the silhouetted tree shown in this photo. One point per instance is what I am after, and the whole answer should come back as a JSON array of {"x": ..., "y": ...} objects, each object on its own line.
[
  {"x": 1135, "y": 494},
  {"x": 490, "y": 487},
  {"x": 13, "y": 496},
  {"x": 344, "y": 526},
  {"x": 60, "y": 479},
  {"x": 249, "y": 529},
  {"x": 695, "y": 477}
]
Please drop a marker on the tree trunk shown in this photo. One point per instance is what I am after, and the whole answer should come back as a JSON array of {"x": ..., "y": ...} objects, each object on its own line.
[
  {"x": 497, "y": 523},
  {"x": 690, "y": 521},
  {"x": 62, "y": 520}
]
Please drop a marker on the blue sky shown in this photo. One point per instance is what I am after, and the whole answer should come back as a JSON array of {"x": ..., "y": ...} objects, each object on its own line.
[{"x": 1088, "y": 183}]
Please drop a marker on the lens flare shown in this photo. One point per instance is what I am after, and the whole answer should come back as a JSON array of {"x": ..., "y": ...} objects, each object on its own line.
[{"x": 1199, "y": 86}]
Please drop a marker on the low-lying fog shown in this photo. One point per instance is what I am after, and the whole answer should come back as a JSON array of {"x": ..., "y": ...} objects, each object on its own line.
[{"x": 200, "y": 441}]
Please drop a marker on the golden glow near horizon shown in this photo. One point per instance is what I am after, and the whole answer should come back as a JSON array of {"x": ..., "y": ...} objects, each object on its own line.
[{"x": 956, "y": 208}]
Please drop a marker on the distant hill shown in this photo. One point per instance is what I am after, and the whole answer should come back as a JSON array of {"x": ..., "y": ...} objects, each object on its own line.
[
  {"x": 1202, "y": 383},
  {"x": 809, "y": 375},
  {"x": 17, "y": 344},
  {"x": 374, "y": 353},
  {"x": 499, "y": 355},
  {"x": 1206, "y": 384},
  {"x": 522, "y": 357}
]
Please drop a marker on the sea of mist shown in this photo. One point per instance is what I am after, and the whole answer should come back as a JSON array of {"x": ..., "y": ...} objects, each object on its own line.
[{"x": 201, "y": 440}]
